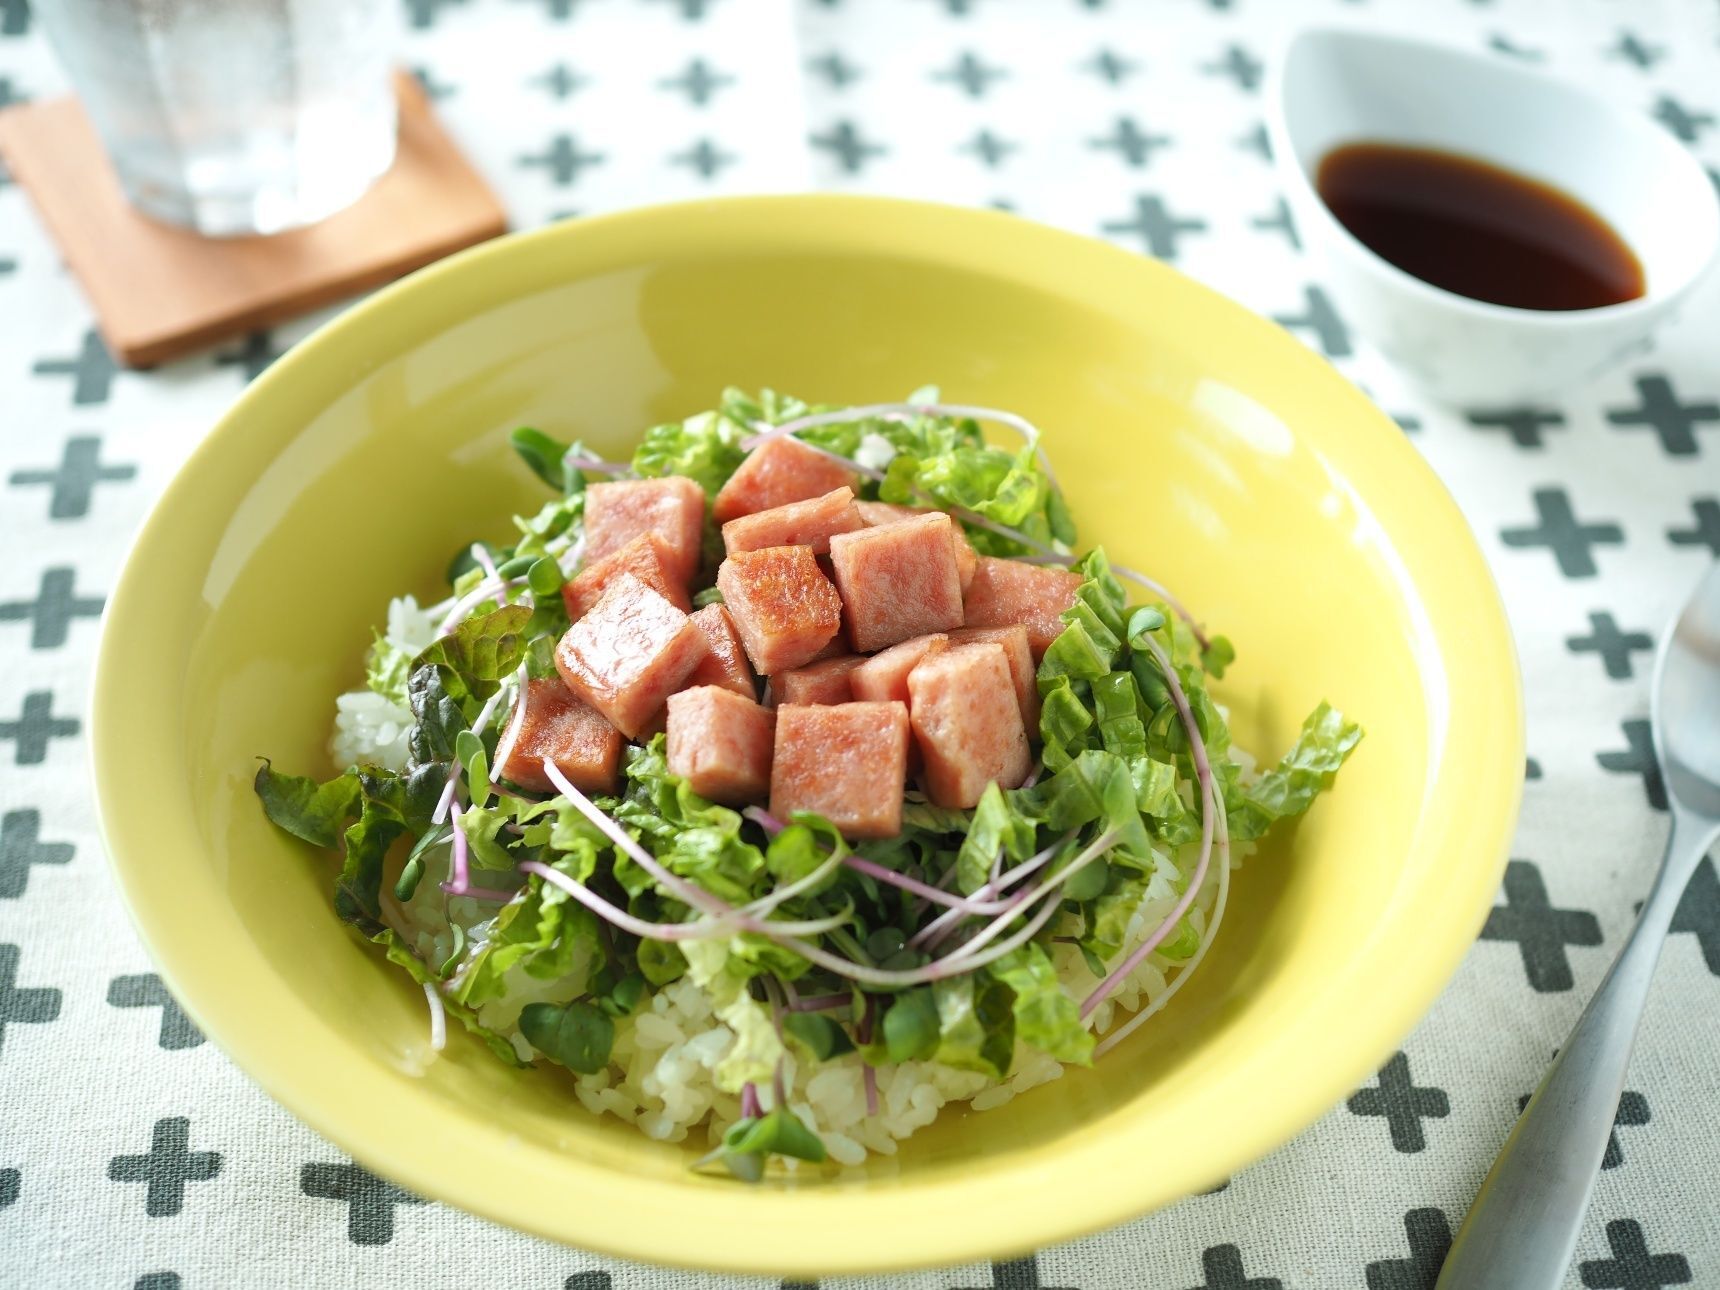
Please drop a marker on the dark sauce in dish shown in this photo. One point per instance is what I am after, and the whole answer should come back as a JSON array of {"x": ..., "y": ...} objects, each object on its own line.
[{"x": 1477, "y": 229}]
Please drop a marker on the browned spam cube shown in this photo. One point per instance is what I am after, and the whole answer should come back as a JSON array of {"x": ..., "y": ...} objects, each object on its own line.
[
  {"x": 629, "y": 654},
  {"x": 1021, "y": 668},
  {"x": 967, "y": 723},
  {"x": 809, "y": 523},
  {"x": 721, "y": 744},
  {"x": 846, "y": 761},
  {"x": 782, "y": 605},
  {"x": 822, "y": 682},
  {"x": 672, "y": 508},
  {"x": 777, "y": 472},
  {"x": 645, "y": 557},
  {"x": 726, "y": 662},
  {"x": 550, "y": 722},
  {"x": 883, "y": 678},
  {"x": 898, "y": 580},
  {"x": 874, "y": 514},
  {"x": 1006, "y": 592}
]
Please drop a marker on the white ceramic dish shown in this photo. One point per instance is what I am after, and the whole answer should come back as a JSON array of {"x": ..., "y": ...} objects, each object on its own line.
[{"x": 1336, "y": 86}]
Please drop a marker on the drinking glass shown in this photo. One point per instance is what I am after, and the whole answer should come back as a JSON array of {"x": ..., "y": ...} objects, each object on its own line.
[{"x": 235, "y": 116}]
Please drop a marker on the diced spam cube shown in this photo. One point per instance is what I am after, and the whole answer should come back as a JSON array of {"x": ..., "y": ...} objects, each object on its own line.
[
  {"x": 809, "y": 523},
  {"x": 549, "y": 721},
  {"x": 874, "y": 514},
  {"x": 883, "y": 678},
  {"x": 967, "y": 723},
  {"x": 823, "y": 682},
  {"x": 783, "y": 606},
  {"x": 726, "y": 663},
  {"x": 645, "y": 557},
  {"x": 629, "y": 654},
  {"x": 721, "y": 744},
  {"x": 898, "y": 580},
  {"x": 1006, "y": 592},
  {"x": 1021, "y": 668},
  {"x": 847, "y": 761},
  {"x": 673, "y": 508},
  {"x": 777, "y": 472}
]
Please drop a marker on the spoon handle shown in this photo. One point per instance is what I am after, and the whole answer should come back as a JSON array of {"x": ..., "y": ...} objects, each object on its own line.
[{"x": 1521, "y": 1230}]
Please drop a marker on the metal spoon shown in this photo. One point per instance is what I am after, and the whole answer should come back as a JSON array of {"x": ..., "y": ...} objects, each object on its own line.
[{"x": 1523, "y": 1226}]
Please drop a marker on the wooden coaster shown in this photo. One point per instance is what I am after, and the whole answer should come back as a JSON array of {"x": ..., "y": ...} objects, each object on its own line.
[{"x": 160, "y": 291}]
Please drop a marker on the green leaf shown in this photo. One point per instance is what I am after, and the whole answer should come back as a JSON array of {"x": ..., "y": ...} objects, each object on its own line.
[
  {"x": 306, "y": 809},
  {"x": 1117, "y": 704},
  {"x": 576, "y": 1034},
  {"x": 976, "y": 1024},
  {"x": 546, "y": 456},
  {"x": 1095, "y": 786},
  {"x": 402, "y": 956},
  {"x": 544, "y": 577},
  {"x": 358, "y": 889},
  {"x": 626, "y": 995},
  {"x": 439, "y": 718},
  {"x": 1063, "y": 723},
  {"x": 386, "y": 668},
  {"x": 818, "y": 1034},
  {"x": 1291, "y": 786},
  {"x": 1046, "y": 1017},
  {"x": 661, "y": 962},
  {"x": 1218, "y": 655},
  {"x": 779, "y": 1134},
  {"x": 910, "y": 1027},
  {"x": 480, "y": 651},
  {"x": 705, "y": 448},
  {"x": 997, "y": 825},
  {"x": 482, "y": 827},
  {"x": 411, "y": 874}
]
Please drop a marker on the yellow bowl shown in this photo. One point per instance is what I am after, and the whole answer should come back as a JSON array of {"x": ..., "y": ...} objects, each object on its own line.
[{"x": 1193, "y": 439}]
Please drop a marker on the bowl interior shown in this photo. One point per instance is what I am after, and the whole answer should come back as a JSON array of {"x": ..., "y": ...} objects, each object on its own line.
[
  {"x": 1193, "y": 440},
  {"x": 1343, "y": 86}
]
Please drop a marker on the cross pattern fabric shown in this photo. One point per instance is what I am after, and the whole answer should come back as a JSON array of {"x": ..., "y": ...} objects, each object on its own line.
[{"x": 133, "y": 1155}]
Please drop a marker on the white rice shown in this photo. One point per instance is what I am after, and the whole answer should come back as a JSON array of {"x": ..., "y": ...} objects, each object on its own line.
[{"x": 663, "y": 1074}]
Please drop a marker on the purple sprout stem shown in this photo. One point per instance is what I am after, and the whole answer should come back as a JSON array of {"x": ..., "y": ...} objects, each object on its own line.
[
  {"x": 485, "y": 590},
  {"x": 818, "y": 1003},
  {"x": 484, "y": 562},
  {"x": 750, "y": 1108},
  {"x": 1212, "y": 805},
  {"x": 461, "y": 884},
  {"x": 925, "y": 891},
  {"x": 869, "y": 1077}
]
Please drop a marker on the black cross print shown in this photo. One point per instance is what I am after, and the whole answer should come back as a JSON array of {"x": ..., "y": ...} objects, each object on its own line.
[
  {"x": 92, "y": 371},
  {"x": 799, "y": 1285},
  {"x": 560, "y": 80},
  {"x": 437, "y": 90},
  {"x": 1221, "y": 1266},
  {"x": 1706, "y": 530},
  {"x": 1541, "y": 931},
  {"x": 1502, "y": 44},
  {"x": 19, "y": 849},
  {"x": 422, "y": 14},
  {"x": 1531, "y": 769},
  {"x": 146, "y": 991},
  {"x": 31, "y": 1006},
  {"x": 1683, "y": 123},
  {"x": 1130, "y": 142},
  {"x": 253, "y": 357},
  {"x": 595, "y": 1281},
  {"x": 705, "y": 158},
  {"x": 845, "y": 143},
  {"x": 564, "y": 160},
  {"x": 1632, "y": 1267},
  {"x": 1402, "y": 1104},
  {"x": 52, "y": 612},
  {"x": 1429, "y": 1242},
  {"x": 1698, "y": 912},
  {"x": 561, "y": 10},
  {"x": 167, "y": 1167},
  {"x": 1320, "y": 317},
  {"x": 1571, "y": 542},
  {"x": 1632, "y": 1113},
  {"x": 971, "y": 75},
  {"x": 370, "y": 1200},
  {"x": 11, "y": 1183},
  {"x": 1215, "y": 1188},
  {"x": 1613, "y": 646},
  {"x": 8, "y": 94},
  {"x": 1524, "y": 425},
  {"x": 1257, "y": 141},
  {"x": 957, "y": 8},
  {"x": 699, "y": 81},
  {"x": 1637, "y": 758},
  {"x": 1157, "y": 228},
  {"x": 36, "y": 727},
  {"x": 1110, "y": 67},
  {"x": 1659, "y": 409},
  {"x": 14, "y": 17},
  {"x": 157, "y": 1281},
  {"x": 1240, "y": 66},
  {"x": 1279, "y": 221},
  {"x": 692, "y": 10},
  {"x": 1015, "y": 1274},
  {"x": 1633, "y": 50},
  {"x": 835, "y": 69},
  {"x": 991, "y": 150}
]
